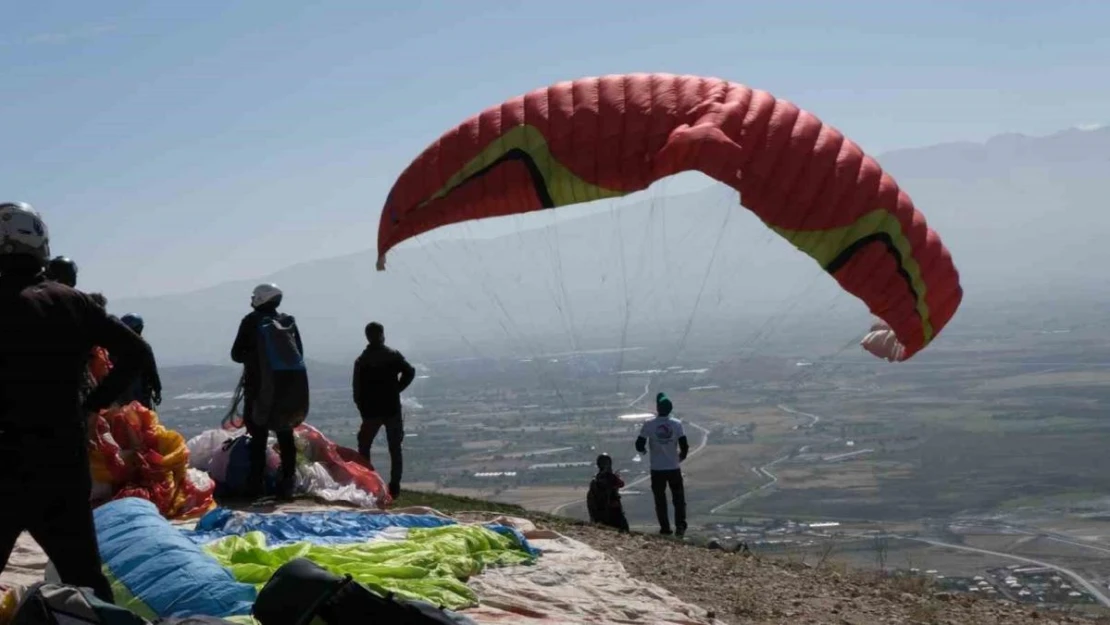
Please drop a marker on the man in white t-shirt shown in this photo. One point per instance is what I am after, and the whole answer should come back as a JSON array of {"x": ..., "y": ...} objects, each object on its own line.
[{"x": 664, "y": 436}]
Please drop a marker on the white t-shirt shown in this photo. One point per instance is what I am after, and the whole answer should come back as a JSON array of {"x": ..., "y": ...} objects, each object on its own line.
[{"x": 662, "y": 434}]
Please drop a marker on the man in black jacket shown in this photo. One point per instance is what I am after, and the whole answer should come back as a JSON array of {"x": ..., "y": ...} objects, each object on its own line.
[
  {"x": 147, "y": 387},
  {"x": 265, "y": 301},
  {"x": 381, "y": 374},
  {"x": 47, "y": 330}
]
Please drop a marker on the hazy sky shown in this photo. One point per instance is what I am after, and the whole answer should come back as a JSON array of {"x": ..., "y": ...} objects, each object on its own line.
[{"x": 178, "y": 144}]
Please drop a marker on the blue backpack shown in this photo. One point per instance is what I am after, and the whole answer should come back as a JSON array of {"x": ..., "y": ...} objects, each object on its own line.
[
  {"x": 238, "y": 469},
  {"x": 282, "y": 402}
]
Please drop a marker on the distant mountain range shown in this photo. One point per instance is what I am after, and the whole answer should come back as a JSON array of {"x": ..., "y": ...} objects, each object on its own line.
[{"x": 1023, "y": 216}]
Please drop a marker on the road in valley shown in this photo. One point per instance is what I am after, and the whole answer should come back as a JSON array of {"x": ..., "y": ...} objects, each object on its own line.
[
  {"x": 812, "y": 423},
  {"x": 765, "y": 470}
]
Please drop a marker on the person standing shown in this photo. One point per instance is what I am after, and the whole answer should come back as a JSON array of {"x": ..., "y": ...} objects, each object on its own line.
[
  {"x": 147, "y": 387},
  {"x": 47, "y": 330},
  {"x": 667, "y": 442},
  {"x": 275, "y": 385},
  {"x": 380, "y": 375}
]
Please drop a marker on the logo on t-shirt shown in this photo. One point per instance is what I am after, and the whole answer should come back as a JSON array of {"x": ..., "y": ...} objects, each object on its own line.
[{"x": 664, "y": 431}]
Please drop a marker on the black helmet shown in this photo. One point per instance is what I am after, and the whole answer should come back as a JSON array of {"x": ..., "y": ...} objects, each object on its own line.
[
  {"x": 604, "y": 461},
  {"x": 133, "y": 321},
  {"x": 62, "y": 269}
]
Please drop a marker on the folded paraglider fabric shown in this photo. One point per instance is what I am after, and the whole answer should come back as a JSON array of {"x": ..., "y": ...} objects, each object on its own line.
[
  {"x": 428, "y": 564},
  {"x": 324, "y": 470},
  {"x": 345, "y": 465},
  {"x": 131, "y": 454},
  {"x": 330, "y": 527},
  {"x": 156, "y": 571}
]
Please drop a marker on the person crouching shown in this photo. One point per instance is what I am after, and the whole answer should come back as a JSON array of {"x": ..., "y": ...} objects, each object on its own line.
[{"x": 604, "y": 498}]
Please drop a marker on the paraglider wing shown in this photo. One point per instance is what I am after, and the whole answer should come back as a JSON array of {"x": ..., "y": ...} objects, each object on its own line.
[{"x": 606, "y": 137}]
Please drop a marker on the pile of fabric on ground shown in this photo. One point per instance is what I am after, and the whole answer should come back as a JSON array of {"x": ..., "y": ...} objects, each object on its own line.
[
  {"x": 325, "y": 470},
  {"x": 229, "y": 565},
  {"x": 131, "y": 454},
  {"x": 217, "y": 569}
]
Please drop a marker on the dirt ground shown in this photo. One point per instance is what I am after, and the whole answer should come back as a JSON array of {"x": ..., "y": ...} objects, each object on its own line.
[{"x": 743, "y": 589}]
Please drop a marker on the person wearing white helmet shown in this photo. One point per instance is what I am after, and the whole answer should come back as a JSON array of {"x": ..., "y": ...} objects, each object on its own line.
[
  {"x": 247, "y": 351},
  {"x": 47, "y": 330}
]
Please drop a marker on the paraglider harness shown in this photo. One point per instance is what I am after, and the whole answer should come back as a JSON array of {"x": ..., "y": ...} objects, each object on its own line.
[
  {"x": 282, "y": 399},
  {"x": 301, "y": 592}
]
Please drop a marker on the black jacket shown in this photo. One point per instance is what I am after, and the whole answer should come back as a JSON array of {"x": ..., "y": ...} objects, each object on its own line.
[
  {"x": 380, "y": 376},
  {"x": 245, "y": 349},
  {"x": 47, "y": 330},
  {"x": 144, "y": 387}
]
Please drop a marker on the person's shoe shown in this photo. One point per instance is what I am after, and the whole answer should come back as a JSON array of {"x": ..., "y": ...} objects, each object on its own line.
[
  {"x": 285, "y": 490},
  {"x": 394, "y": 491},
  {"x": 665, "y": 532}
]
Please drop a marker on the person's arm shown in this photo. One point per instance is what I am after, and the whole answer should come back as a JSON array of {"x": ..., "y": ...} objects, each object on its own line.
[
  {"x": 131, "y": 353},
  {"x": 356, "y": 386},
  {"x": 683, "y": 448},
  {"x": 641, "y": 440},
  {"x": 297, "y": 335},
  {"x": 408, "y": 373},
  {"x": 244, "y": 341},
  {"x": 154, "y": 380}
]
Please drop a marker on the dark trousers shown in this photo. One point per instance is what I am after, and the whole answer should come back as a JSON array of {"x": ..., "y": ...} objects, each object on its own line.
[
  {"x": 660, "y": 480},
  {"x": 46, "y": 493},
  {"x": 394, "y": 435},
  {"x": 286, "y": 449}
]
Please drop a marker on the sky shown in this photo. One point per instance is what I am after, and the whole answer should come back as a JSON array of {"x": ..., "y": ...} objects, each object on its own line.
[{"x": 172, "y": 146}]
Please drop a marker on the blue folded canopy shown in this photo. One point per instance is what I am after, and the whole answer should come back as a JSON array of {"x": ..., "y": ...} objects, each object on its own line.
[{"x": 158, "y": 572}]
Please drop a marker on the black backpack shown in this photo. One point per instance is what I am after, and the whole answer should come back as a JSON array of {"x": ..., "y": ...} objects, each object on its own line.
[
  {"x": 301, "y": 592},
  {"x": 282, "y": 402}
]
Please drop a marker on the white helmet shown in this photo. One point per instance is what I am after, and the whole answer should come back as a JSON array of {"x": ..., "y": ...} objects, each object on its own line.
[
  {"x": 265, "y": 294},
  {"x": 22, "y": 231}
]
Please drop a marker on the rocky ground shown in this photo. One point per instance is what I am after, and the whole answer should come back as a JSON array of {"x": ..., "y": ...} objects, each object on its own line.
[{"x": 742, "y": 589}]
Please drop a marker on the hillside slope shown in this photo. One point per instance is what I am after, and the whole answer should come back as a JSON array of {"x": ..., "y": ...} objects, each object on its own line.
[{"x": 741, "y": 589}]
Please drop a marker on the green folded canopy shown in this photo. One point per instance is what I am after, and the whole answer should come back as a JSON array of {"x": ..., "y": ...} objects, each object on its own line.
[{"x": 430, "y": 564}]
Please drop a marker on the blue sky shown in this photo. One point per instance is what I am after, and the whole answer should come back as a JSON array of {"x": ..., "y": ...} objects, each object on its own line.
[{"x": 176, "y": 145}]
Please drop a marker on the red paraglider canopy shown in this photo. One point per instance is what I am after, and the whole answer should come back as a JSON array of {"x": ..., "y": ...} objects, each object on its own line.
[{"x": 605, "y": 137}]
